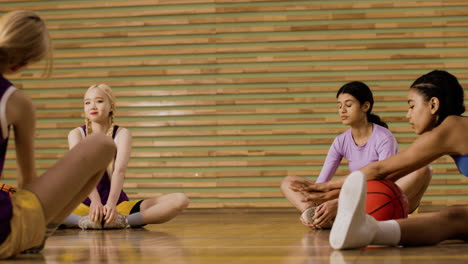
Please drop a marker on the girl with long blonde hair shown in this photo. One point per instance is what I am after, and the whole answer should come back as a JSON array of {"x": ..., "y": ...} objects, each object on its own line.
[{"x": 108, "y": 206}]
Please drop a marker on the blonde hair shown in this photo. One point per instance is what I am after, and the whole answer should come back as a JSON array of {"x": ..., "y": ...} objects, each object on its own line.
[
  {"x": 110, "y": 95},
  {"x": 24, "y": 39}
]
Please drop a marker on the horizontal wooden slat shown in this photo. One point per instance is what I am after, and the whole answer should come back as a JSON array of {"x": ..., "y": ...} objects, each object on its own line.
[
  {"x": 309, "y": 173},
  {"x": 256, "y": 69},
  {"x": 145, "y": 3},
  {"x": 251, "y": 9},
  {"x": 227, "y": 101},
  {"x": 253, "y": 19},
  {"x": 116, "y": 4},
  {"x": 238, "y": 81},
  {"x": 252, "y": 59},
  {"x": 269, "y": 48},
  {"x": 436, "y": 192},
  {"x": 233, "y": 132},
  {"x": 258, "y": 39},
  {"x": 442, "y": 203},
  {"x": 272, "y": 121},
  {"x": 194, "y": 164},
  {"x": 258, "y": 194},
  {"x": 210, "y": 153},
  {"x": 216, "y": 174},
  {"x": 217, "y": 112},
  {"x": 449, "y": 192}
]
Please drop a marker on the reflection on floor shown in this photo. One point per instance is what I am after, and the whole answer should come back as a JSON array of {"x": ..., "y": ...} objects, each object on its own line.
[{"x": 227, "y": 237}]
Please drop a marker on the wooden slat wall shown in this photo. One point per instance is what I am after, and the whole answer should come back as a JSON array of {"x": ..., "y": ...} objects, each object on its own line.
[{"x": 225, "y": 98}]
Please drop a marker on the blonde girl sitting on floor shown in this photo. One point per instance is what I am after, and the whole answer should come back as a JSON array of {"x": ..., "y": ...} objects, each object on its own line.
[{"x": 108, "y": 206}]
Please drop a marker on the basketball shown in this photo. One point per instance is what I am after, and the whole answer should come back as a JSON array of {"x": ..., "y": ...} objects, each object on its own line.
[
  {"x": 385, "y": 200},
  {"x": 7, "y": 188}
]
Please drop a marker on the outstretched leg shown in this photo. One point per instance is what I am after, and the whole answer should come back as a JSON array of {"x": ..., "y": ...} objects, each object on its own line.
[
  {"x": 162, "y": 209},
  {"x": 152, "y": 211},
  {"x": 432, "y": 228},
  {"x": 354, "y": 229}
]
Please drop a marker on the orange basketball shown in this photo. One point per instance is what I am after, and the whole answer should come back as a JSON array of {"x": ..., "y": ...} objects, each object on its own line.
[
  {"x": 7, "y": 188},
  {"x": 385, "y": 200}
]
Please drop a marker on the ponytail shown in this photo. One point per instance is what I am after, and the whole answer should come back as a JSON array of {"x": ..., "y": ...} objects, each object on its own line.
[{"x": 376, "y": 120}]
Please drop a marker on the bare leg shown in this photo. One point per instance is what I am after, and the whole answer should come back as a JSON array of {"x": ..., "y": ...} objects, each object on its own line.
[
  {"x": 432, "y": 228},
  {"x": 353, "y": 228},
  {"x": 293, "y": 197},
  {"x": 164, "y": 208},
  {"x": 72, "y": 178},
  {"x": 414, "y": 186}
]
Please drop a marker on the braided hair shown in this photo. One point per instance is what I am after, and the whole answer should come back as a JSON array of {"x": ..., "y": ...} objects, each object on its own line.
[
  {"x": 445, "y": 87},
  {"x": 108, "y": 92},
  {"x": 89, "y": 130}
]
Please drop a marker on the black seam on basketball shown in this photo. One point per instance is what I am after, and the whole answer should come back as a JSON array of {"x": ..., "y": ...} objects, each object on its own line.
[
  {"x": 382, "y": 206},
  {"x": 396, "y": 196},
  {"x": 389, "y": 196},
  {"x": 390, "y": 187}
]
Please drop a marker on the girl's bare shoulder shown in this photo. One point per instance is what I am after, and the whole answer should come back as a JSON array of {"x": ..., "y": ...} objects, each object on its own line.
[
  {"x": 454, "y": 124},
  {"x": 20, "y": 100},
  {"x": 19, "y": 105},
  {"x": 75, "y": 132},
  {"x": 123, "y": 134},
  {"x": 452, "y": 133}
]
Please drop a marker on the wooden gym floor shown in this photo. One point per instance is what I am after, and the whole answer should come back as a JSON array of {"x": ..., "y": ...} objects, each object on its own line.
[{"x": 227, "y": 237}]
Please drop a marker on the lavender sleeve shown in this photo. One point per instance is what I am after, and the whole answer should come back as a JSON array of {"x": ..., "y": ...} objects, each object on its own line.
[
  {"x": 331, "y": 162},
  {"x": 388, "y": 147}
]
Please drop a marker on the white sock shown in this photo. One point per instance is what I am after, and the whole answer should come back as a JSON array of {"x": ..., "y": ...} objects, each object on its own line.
[
  {"x": 135, "y": 219},
  {"x": 388, "y": 233},
  {"x": 308, "y": 214},
  {"x": 72, "y": 220}
]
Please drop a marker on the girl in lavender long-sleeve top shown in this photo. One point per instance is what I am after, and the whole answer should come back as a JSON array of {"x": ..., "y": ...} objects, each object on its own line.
[
  {"x": 381, "y": 145},
  {"x": 368, "y": 140}
]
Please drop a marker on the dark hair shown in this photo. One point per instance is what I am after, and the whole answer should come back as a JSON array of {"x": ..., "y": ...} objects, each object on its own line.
[
  {"x": 362, "y": 93},
  {"x": 445, "y": 87}
]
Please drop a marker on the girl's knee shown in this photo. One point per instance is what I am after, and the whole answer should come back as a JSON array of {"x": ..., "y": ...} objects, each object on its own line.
[
  {"x": 181, "y": 200},
  {"x": 455, "y": 218},
  {"x": 456, "y": 214},
  {"x": 286, "y": 182},
  {"x": 102, "y": 144},
  {"x": 426, "y": 174},
  {"x": 101, "y": 140}
]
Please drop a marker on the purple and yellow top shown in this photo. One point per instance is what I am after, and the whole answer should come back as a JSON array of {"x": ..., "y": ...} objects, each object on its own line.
[{"x": 6, "y": 210}]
